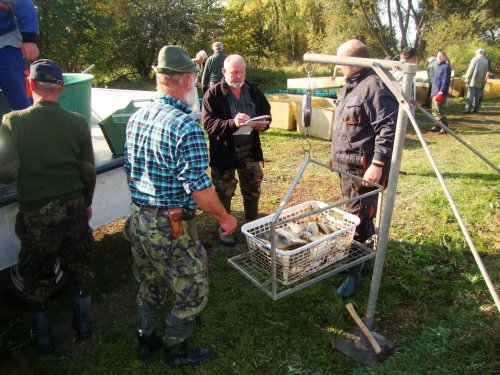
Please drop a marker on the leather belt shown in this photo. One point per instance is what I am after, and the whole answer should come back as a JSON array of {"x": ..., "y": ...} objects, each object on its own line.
[{"x": 186, "y": 213}]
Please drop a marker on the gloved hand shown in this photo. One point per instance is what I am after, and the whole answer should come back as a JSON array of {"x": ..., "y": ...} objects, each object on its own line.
[{"x": 439, "y": 97}]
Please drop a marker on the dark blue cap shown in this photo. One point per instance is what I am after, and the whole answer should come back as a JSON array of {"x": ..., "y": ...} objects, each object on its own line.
[{"x": 47, "y": 71}]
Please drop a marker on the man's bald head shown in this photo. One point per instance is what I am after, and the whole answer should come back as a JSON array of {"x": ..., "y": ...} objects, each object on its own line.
[{"x": 352, "y": 48}]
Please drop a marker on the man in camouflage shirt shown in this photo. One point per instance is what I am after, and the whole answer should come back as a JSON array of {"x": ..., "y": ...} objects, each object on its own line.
[{"x": 166, "y": 160}]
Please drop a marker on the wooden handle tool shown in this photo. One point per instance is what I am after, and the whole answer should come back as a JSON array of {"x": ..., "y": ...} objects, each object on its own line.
[{"x": 376, "y": 347}]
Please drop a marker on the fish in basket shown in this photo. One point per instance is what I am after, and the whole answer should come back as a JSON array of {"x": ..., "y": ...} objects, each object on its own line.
[{"x": 303, "y": 246}]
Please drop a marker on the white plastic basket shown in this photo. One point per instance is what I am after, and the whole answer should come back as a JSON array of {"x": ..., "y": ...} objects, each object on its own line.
[{"x": 293, "y": 265}]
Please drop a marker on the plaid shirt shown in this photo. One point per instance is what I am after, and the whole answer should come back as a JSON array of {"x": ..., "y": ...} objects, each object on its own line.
[{"x": 165, "y": 155}]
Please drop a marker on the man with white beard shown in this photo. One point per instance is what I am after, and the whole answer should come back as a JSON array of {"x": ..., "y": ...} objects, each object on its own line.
[
  {"x": 226, "y": 108},
  {"x": 166, "y": 160}
]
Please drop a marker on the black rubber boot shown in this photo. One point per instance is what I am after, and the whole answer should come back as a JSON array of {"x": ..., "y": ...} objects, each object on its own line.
[
  {"x": 351, "y": 283},
  {"x": 41, "y": 334},
  {"x": 251, "y": 208},
  {"x": 149, "y": 341},
  {"x": 81, "y": 301},
  {"x": 175, "y": 338}
]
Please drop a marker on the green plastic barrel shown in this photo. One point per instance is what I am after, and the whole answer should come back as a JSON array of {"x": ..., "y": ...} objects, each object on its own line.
[{"x": 76, "y": 95}]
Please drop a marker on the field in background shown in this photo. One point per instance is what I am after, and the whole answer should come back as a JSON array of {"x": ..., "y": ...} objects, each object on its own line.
[{"x": 433, "y": 302}]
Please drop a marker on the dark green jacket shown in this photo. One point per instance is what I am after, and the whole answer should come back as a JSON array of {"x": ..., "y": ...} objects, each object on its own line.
[
  {"x": 49, "y": 151},
  {"x": 212, "y": 72}
]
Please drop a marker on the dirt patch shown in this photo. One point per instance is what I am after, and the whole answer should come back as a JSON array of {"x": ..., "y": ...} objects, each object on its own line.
[{"x": 406, "y": 316}]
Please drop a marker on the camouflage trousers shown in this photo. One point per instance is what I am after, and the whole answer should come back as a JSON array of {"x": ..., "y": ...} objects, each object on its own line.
[
  {"x": 162, "y": 263},
  {"x": 250, "y": 176},
  {"x": 59, "y": 230}
]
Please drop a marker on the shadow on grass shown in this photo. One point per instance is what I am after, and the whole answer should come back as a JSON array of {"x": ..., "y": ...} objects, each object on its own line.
[
  {"x": 452, "y": 175},
  {"x": 422, "y": 279}
]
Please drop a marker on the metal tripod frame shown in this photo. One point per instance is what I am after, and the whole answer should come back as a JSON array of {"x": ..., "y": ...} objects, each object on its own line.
[{"x": 382, "y": 68}]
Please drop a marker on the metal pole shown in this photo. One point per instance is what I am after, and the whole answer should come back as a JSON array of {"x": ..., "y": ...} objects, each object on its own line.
[
  {"x": 461, "y": 223},
  {"x": 383, "y": 237},
  {"x": 361, "y": 62}
]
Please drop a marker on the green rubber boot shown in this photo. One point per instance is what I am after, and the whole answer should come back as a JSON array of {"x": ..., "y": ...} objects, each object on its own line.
[
  {"x": 149, "y": 341},
  {"x": 175, "y": 338},
  {"x": 351, "y": 283},
  {"x": 41, "y": 332},
  {"x": 81, "y": 301},
  {"x": 251, "y": 209}
]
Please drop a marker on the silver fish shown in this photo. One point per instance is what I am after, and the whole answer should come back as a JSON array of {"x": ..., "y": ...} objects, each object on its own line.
[
  {"x": 305, "y": 235},
  {"x": 325, "y": 227},
  {"x": 295, "y": 227},
  {"x": 290, "y": 236},
  {"x": 312, "y": 228},
  {"x": 282, "y": 244},
  {"x": 316, "y": 238}
]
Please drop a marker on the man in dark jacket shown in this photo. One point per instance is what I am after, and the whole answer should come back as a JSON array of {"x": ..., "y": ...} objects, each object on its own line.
[
  {"x": 439, "y": 93},
  {"x": 226, "y": 108},
  {"x": 362, "y": 142}
]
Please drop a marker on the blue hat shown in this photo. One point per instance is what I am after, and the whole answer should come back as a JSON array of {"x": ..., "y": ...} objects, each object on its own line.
[{"x": 47, "y": 71}]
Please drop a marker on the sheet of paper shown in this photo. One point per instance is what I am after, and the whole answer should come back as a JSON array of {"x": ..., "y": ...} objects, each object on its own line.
[
  {"x": 244, "y": 130},
  {"x": 249, "y": 125}
]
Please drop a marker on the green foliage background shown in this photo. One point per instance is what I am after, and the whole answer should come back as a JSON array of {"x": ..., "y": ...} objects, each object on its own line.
[{"x": 123, "y": 37}]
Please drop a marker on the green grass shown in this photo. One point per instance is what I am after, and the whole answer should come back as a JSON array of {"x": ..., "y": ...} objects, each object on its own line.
[{"x": 433, "y": 302}]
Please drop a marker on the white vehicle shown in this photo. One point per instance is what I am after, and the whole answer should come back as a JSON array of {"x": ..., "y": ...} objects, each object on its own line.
[{"x": 111, "y": 197}]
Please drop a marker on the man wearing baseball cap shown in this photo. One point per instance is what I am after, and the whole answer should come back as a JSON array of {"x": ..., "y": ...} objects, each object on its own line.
[
  {"x": 166, "y": 159},
  {"x": 48, "y": 150}
]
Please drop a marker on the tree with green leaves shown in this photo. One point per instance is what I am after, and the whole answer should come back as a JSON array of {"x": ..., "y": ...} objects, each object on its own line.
[{"x": 70, "y": 30}]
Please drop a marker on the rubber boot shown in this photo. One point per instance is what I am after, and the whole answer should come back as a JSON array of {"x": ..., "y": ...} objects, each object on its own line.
[
  {"x": 81, "y": 301},
  {"x": 251, "y": 209},
  {"x": 368, "y": 267},
  {"x": 41, "y": 334},
  {"x": 175, "y": 338},
  {"x": 226, "y": 240},
  {"x": 149, "y": 341},
  {"x": 351, "y": 283}
]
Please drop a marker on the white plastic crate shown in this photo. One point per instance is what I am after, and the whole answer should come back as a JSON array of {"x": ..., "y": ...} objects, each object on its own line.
[{"x": 293, "y": 265}]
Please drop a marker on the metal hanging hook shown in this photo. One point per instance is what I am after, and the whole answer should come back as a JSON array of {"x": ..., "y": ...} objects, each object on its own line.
[{"x": 307, "y": 108}]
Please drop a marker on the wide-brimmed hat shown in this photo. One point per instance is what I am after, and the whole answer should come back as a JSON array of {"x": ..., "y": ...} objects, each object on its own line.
[
  {"x": 173, "y": 59},
  {"x": 47, "y": 71}
]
